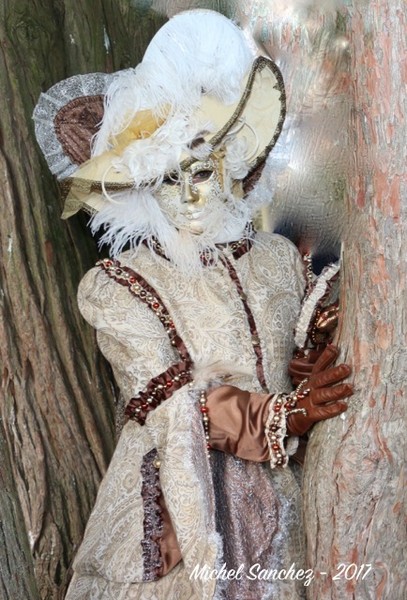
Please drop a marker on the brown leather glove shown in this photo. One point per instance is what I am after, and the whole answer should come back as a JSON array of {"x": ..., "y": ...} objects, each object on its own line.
[
  {"x": 326, "y": 395},
  {"x": 326, "y": 321},
  {"x": 324, "y": 327},
  {"x": 301, "y": 366},
  {"x": 236, "y": 422}
]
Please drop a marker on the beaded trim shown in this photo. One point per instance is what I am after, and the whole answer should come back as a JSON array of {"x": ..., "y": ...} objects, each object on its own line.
[
  {"x": 252, "y": 323},
  {"x": 276, "y": 431},
  {"x": 158, "y": 389},
  {"x": 205, "y": 418},
  {"x": 163, "y": 386},
  {"x": 153, "y": 522},
  {"x": 309, "y": 274},
  {"x": 240, "y": 247},
  {"x": 281, "y": 407}
]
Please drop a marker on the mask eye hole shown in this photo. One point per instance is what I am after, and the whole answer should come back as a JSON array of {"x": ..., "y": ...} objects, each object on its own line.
[
  {"x": 172, "y": 179},
  {"x": 201, "y": 176}
]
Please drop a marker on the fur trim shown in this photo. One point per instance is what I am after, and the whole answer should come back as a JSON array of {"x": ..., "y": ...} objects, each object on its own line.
[
  {"x": 218, "y": 373},
  {"x": 130, "y": 218}
]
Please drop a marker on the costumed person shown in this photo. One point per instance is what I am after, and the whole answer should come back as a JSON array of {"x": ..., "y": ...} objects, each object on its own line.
[{"x": 195, "y": 311}]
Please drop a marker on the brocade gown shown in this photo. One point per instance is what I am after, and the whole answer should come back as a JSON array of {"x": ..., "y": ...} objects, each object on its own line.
[{"x": 225, "y": 511}]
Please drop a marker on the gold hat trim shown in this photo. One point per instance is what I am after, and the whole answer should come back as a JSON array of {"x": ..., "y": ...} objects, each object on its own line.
[{"x": 83, "y": 192}]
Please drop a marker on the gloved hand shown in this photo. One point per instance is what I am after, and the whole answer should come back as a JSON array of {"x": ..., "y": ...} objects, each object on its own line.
[
  {"x": 326, "y": 394},
  {"x": 323, "y": 330},
  {"x": 236, "y": 422},
  {"x": 300, "y": 367}
]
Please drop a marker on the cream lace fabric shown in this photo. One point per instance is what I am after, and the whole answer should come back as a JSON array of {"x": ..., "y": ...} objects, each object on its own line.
[{"x": 210, "y": 318}]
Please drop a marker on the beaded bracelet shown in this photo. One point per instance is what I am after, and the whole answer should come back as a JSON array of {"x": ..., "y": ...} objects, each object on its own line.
[
  {"x": 281, "y": 406},
  {"x": 275, "y": 430}
]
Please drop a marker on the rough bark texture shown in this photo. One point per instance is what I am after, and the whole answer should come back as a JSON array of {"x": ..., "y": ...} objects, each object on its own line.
[
  {"x": 17, "y": 579},
  {"x": 354, "y": 492},
  {"x": 335, "y": 55},
  {"x": 57, "y": 404}
]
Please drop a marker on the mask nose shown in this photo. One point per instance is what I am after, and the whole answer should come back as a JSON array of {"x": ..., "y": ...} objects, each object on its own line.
[{"x": 189, "y": 196}]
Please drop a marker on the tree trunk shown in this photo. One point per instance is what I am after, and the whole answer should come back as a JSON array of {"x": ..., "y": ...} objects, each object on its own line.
[
  {"x": 354, "y": 470},
  {"x": 336, "y": 55},
  {"x": 57, "y": 406},
  {"x": 58, "y": 401},
  {"x": 17, "y": 578}
]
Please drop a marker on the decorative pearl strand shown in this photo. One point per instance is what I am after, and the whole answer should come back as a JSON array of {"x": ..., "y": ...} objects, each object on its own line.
[{"x": 205, "y": 418}]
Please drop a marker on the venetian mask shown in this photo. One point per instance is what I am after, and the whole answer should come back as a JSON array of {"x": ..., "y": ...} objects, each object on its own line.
[{"x": 195, "y": 200}]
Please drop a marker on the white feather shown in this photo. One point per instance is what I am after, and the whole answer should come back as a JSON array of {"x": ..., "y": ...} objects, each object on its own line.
[
  {"x": 195, "y": 51},
  {"x": 134, "y": 217}
]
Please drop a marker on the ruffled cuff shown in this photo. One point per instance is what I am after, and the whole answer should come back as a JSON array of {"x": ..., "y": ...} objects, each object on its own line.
[{"x": 280, "y": 447}]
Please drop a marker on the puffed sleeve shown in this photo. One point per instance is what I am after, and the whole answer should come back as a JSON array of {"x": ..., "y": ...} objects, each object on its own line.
[{"x": 129, "y": 335}]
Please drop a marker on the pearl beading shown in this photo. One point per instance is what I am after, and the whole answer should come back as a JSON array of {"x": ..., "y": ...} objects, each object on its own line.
[{"x": 163, "y": 386}]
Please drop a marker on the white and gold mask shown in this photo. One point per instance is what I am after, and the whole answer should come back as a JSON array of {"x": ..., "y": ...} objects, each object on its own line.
[
  {"x": 198, "y": 200},
  {"x": 188, "y": 198}
]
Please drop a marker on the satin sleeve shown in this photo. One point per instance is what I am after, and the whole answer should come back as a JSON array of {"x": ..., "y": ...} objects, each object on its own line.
[{"x": 237, "y": 421}]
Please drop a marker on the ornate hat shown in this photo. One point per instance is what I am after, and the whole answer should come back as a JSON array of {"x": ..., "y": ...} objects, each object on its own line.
[{"x": 199, "y": 84}]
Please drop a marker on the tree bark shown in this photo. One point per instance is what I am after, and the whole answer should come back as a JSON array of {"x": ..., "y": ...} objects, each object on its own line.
[
  {"x": 17, "y": 579},
  {"x": 57, "y": 405},
  {"x": 353, "y": 483},
  {"x": 354, "y": 473}
]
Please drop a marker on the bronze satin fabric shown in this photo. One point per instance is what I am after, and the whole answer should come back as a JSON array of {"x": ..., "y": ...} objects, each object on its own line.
[
  {"x": 236, "y": 426},
  {"x": 236, "y": 422},
  {"x": 76, "y": 124},
  {"x": 169, "y": 548}
]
